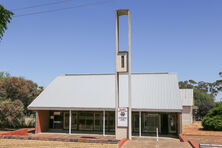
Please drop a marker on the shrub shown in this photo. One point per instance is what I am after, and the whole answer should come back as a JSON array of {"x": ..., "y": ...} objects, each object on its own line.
[
  {"x": 11, "y": 113},
  {"x": 28, "y": 121},
  {"x": 213, "y": 120}
]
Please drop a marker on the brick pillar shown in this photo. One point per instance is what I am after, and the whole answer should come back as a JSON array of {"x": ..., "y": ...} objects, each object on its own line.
[
  {"x": 42, "y": 121},
  {"x": 179, "y": 123}
]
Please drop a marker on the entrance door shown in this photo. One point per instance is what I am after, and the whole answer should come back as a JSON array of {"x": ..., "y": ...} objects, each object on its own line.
[
  {"x": 172, "y": 120},
  {"x": 57, "y": 121},
  {"x": 164, "y": 123}
]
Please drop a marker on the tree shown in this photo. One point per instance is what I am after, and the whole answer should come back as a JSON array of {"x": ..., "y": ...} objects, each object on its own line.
[
  {"x": 213, "y": 120},
  {"x": 204, "y": 101},
  {"x": 18, "y": 88},
  {"x": 5, "y": 18},
  {"x": 4, "y": 75}
]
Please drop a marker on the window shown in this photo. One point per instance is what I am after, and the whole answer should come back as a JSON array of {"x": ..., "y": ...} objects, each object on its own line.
[{"x": 122, "y": 62}]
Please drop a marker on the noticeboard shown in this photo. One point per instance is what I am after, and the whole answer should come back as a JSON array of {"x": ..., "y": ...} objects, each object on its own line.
[{"x": 122, "y": 117}]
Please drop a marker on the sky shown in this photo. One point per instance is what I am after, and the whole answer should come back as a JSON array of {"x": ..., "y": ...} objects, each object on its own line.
[{"x": 183, "y": 37}]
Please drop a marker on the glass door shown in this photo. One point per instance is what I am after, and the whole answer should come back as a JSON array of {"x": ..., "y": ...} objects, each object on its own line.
[
  {"x": 172, "y": 118},
  {"x": 57, "y": 121}
]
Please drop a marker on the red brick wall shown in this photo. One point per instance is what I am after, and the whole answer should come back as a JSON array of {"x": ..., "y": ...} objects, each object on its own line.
[{"x": 42, "y": 120}]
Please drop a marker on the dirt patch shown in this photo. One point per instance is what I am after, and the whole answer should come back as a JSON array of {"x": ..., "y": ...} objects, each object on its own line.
[
  {"x": 11, "y": 143},
  {"x": 197, "y": 129},
  {"x": 196, "y": 133}
]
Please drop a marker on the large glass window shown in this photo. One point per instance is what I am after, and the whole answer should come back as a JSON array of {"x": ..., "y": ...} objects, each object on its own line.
[
  {"x": 110, "y": 121},
  {"x": 135, "y": 121},
  {"x": 86, "y": 120},
  {"x": 98, "y": 121},
  {"x": 150, "y": 121},
  {"x": 89, "y": 121}
]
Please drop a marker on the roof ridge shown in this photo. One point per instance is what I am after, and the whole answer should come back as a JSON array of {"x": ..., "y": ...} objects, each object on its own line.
[{"x": 114, "y": 73}]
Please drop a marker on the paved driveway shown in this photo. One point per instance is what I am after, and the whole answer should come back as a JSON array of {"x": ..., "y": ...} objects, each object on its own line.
[{"x": 150, "y": 142}]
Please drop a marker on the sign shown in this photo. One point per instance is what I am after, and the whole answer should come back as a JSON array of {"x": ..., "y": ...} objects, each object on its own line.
[{"x": 122, "y": 117}]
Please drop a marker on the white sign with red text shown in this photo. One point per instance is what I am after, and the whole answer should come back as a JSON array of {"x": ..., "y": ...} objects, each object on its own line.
[{"x": 122, "y": 117}]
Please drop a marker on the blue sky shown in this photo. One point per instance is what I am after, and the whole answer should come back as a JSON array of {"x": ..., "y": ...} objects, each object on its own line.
[{"x": 167, "y": 36}]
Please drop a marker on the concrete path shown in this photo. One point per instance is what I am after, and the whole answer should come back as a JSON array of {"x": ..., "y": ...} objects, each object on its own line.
[{"x": 150, "y": 142}]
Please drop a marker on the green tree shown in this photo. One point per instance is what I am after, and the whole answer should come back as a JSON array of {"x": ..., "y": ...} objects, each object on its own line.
[
  {"x": 5, "y": 18},
  {"x": 204, "y": 101},
  {"x": 213, "y": 120},
  {"x": 19, "y": 88}
]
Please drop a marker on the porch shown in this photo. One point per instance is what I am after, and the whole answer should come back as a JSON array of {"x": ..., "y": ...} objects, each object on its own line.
[{"x": 103, "y": 123}]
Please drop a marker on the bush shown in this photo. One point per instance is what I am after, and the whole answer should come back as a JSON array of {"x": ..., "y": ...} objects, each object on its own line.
[
  {"x": 213, "y": 120},
  {"x": 11, "y": 113},
  {"x": 28, "y": 121}
]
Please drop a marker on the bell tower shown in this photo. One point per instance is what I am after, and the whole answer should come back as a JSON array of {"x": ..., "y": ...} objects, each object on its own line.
[{"x": 123, "y": 115}]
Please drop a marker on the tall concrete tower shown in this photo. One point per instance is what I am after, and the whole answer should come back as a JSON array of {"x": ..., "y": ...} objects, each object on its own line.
[{"x": 123, "y": 66}]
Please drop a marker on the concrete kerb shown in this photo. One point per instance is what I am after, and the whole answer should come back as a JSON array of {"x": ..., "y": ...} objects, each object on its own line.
[
  {"x": 121, "y": 142},
  {"x": 182, "y": 138},
  {"x": 193, "y": 144}
]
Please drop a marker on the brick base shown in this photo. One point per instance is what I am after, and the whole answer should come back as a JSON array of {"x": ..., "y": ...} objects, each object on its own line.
[{"x": 42, "y": 121}]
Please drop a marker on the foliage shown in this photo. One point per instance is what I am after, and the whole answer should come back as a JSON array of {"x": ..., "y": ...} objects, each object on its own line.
[
  {"x": 11, "y": 113},
  {"x": 5, "y": 18},
  {"x": 19, "y": 88},
  {"x": 212, "y": 88},
  {"x": 204, "y": 101},
  {"x": 204, "y": 94},
  {"x": 28, "y": 121},
  {"x": 217, "y": 104},
  {"x": 4, "y": 75},
  {"x": 213, "y": 120}
]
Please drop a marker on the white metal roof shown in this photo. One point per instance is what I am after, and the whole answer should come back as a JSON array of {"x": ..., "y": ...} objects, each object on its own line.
[
  {"x": 151, "y": 91},
  {"x": 186, "y": 97}
]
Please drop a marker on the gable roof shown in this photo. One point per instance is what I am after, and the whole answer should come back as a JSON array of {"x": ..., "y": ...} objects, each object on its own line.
[{"x": 150, "y": 91}]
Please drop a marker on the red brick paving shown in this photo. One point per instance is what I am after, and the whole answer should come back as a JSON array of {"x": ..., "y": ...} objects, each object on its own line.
[{"x": 18, "y": 132}]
